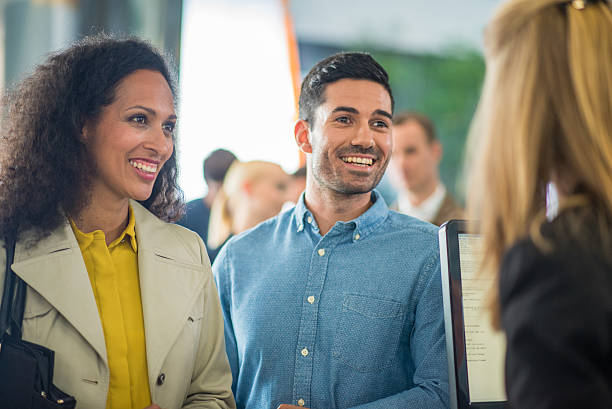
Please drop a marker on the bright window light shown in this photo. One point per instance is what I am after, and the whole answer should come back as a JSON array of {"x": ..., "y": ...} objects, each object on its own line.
[{"x": 235, "y": 86}]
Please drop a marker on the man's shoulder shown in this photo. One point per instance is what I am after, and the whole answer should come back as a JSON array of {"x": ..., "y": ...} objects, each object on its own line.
[
  {"x": 261, "y": 234},
  {"x": 449, "y": 209},
  {"x": 196, "y": 213},
  {"x": 411, "y": 225},
  {"x": 195, "y": 206}
]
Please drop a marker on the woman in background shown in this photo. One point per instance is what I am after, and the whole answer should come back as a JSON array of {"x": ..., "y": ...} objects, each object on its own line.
[
  {"x": 87, "y": 181},
  {"x": 252, "y": 192},
  {"x": 545, "y": 116}
]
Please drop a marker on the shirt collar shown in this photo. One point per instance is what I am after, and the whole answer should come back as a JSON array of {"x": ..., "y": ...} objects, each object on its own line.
[
  {"x": 428, "y": 209},
  {"x": 363, "y": 225},
  {"x": 85, "y": 239}
]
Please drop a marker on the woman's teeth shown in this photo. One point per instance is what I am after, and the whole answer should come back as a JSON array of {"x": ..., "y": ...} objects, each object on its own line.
[
  {"x": 144, "y": 166},
  {"x": 358, "y": 160}
]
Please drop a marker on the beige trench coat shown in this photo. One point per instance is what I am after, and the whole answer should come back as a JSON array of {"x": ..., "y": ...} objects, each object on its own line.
[{"x": 186, "y": 357}]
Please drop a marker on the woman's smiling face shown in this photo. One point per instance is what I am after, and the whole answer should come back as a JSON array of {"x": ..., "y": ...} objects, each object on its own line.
[{"x": 132, "y": 138}]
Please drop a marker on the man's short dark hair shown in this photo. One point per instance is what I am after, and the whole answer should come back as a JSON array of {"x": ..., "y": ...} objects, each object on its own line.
[
  {"x": 216, "y": 165},
  {"x": 423, "y": 120},
  {"x": 358, "y": 66}
]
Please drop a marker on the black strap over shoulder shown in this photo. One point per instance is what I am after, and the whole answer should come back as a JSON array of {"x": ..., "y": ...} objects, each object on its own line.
[
  {"x": 18, "y": 307},
  {"x": 9, "y": 287}
]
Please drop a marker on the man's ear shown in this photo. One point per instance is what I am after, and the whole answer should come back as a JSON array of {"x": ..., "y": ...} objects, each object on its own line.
[{"x": 301, "y": 132}]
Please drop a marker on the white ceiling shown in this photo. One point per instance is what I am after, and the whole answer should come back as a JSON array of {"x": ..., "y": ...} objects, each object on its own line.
[{"x": 401, "y": 25}]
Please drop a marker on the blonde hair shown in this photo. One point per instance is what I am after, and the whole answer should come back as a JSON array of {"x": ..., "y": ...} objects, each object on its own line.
[
  {"x": 221, "y": 212},
  {"x": 545, "y": 109}
]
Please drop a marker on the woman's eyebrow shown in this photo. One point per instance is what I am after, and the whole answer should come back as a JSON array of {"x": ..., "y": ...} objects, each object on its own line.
[{"x": 150, "y": 111}]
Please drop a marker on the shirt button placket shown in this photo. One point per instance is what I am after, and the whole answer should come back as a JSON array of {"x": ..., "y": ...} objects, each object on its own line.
[{"x": 306, "y": 338}]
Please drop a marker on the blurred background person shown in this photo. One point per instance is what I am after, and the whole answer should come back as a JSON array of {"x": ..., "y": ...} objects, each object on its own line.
[
  {"x": 545, "y": 116},
  {"x": 414, "y": 171},
  {"x": 297, "y": 184},
  {"x": 88, "y": 179},
  {"x": 251, "y": 193},
  {"x": 197, "y": 212}
]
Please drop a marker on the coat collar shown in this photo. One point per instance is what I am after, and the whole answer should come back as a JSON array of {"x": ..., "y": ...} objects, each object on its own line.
[
  {"x": 54, "y": 267},
  {"x": 171, "y": 278}
]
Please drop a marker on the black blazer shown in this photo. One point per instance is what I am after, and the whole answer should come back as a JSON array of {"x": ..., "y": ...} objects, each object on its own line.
[{"x": 556, "y": 309}]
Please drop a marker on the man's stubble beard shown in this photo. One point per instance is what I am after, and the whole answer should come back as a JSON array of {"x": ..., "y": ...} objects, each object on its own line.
[{"x": 326, "y": 178}]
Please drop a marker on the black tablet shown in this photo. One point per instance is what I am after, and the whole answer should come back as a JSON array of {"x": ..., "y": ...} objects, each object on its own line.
[{"x": 476, "y": 352}]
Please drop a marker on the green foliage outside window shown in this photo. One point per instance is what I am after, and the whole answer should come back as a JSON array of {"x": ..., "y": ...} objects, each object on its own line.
[{"x": 446, "y": 88}]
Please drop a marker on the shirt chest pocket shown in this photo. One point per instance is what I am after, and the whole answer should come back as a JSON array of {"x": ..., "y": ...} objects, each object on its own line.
[{"x": 369, "y": 332}]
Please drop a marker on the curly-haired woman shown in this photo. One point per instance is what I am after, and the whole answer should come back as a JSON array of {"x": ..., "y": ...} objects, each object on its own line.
[{"x": 87, "y": 174}]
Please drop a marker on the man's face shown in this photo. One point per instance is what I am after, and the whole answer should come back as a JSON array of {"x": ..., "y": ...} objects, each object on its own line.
[
  {"x": 351, "y": 137},
  {"x": 414, "y": 163}
]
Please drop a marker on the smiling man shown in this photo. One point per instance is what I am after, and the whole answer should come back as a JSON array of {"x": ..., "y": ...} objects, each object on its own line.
[{"x": 337, "y": 302}]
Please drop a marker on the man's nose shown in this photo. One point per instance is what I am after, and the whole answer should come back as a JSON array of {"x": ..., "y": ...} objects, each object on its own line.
[{"x": 364, "y": 136}]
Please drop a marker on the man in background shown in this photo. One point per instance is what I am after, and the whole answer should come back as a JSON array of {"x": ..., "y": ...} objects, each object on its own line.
[
  {"x": 297, "y": 185},
  {"x": 414, "y": 171},
  {"x": 337, "y": 303},
  {"x": 215, "y": 167}
]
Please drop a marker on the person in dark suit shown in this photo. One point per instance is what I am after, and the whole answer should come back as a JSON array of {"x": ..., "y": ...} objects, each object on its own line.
[
  {"x": 197, "y": 211},
  {"x": 417, "y": 152},
  {"x": 545, "y": 119}
]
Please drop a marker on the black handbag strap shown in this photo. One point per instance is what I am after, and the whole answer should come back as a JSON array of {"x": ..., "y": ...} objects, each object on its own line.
[
  {"x": 18, "y": 307},
  {"x": 12, "y": 308},
  {"x": 9, "y": 286}
]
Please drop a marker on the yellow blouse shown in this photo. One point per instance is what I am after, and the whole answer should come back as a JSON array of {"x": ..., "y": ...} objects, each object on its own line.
[{"x": 113, "y": 272}]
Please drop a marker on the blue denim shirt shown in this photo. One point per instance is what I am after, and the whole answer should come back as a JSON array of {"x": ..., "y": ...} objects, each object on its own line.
[{"x": 350, "y": 319}]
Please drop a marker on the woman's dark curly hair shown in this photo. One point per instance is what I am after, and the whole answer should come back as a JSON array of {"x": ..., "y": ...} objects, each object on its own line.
[{"x": 43, "y": 161}]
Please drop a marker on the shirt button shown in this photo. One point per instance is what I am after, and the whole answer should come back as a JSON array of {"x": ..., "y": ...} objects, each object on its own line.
[
  {"x": 301, "y": 402},
  {"x": 161, "y": 379},
  {"x": 357, "y": 236},
  {"x": 321, "y": 252},
  {"x": 311, "y": 299},
  {"x": 305, "y": 352},
  {"x": 309, "y": 219}
]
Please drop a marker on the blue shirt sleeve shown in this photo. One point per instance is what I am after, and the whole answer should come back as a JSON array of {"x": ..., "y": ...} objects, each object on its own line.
[{"x": 221, "y": 271}]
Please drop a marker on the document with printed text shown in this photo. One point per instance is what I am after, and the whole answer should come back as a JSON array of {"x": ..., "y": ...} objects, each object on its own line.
[{"x": 485, "y": 347}]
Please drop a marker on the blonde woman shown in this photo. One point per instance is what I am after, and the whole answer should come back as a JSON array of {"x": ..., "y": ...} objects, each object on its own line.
[
  {"x": 546, "y": 116},
  {"x": 252, "y": 192}
]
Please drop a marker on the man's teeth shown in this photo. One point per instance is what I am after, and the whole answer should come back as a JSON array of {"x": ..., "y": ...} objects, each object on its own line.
[
  {"x": 144, "y": 166},
  {"x": 358, "y": 160}
]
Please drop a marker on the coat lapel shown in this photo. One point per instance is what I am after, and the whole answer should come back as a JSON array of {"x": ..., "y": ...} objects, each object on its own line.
[
  {"x": 54, "y": 267},
  {"x": 171, "y": 277}
]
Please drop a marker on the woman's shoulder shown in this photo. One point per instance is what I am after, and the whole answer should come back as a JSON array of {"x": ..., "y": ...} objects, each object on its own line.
[
  {"x": 169, "y": 239},
  {"x": 571, "y": 253},
  {"x": 549, "y": 293}
]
